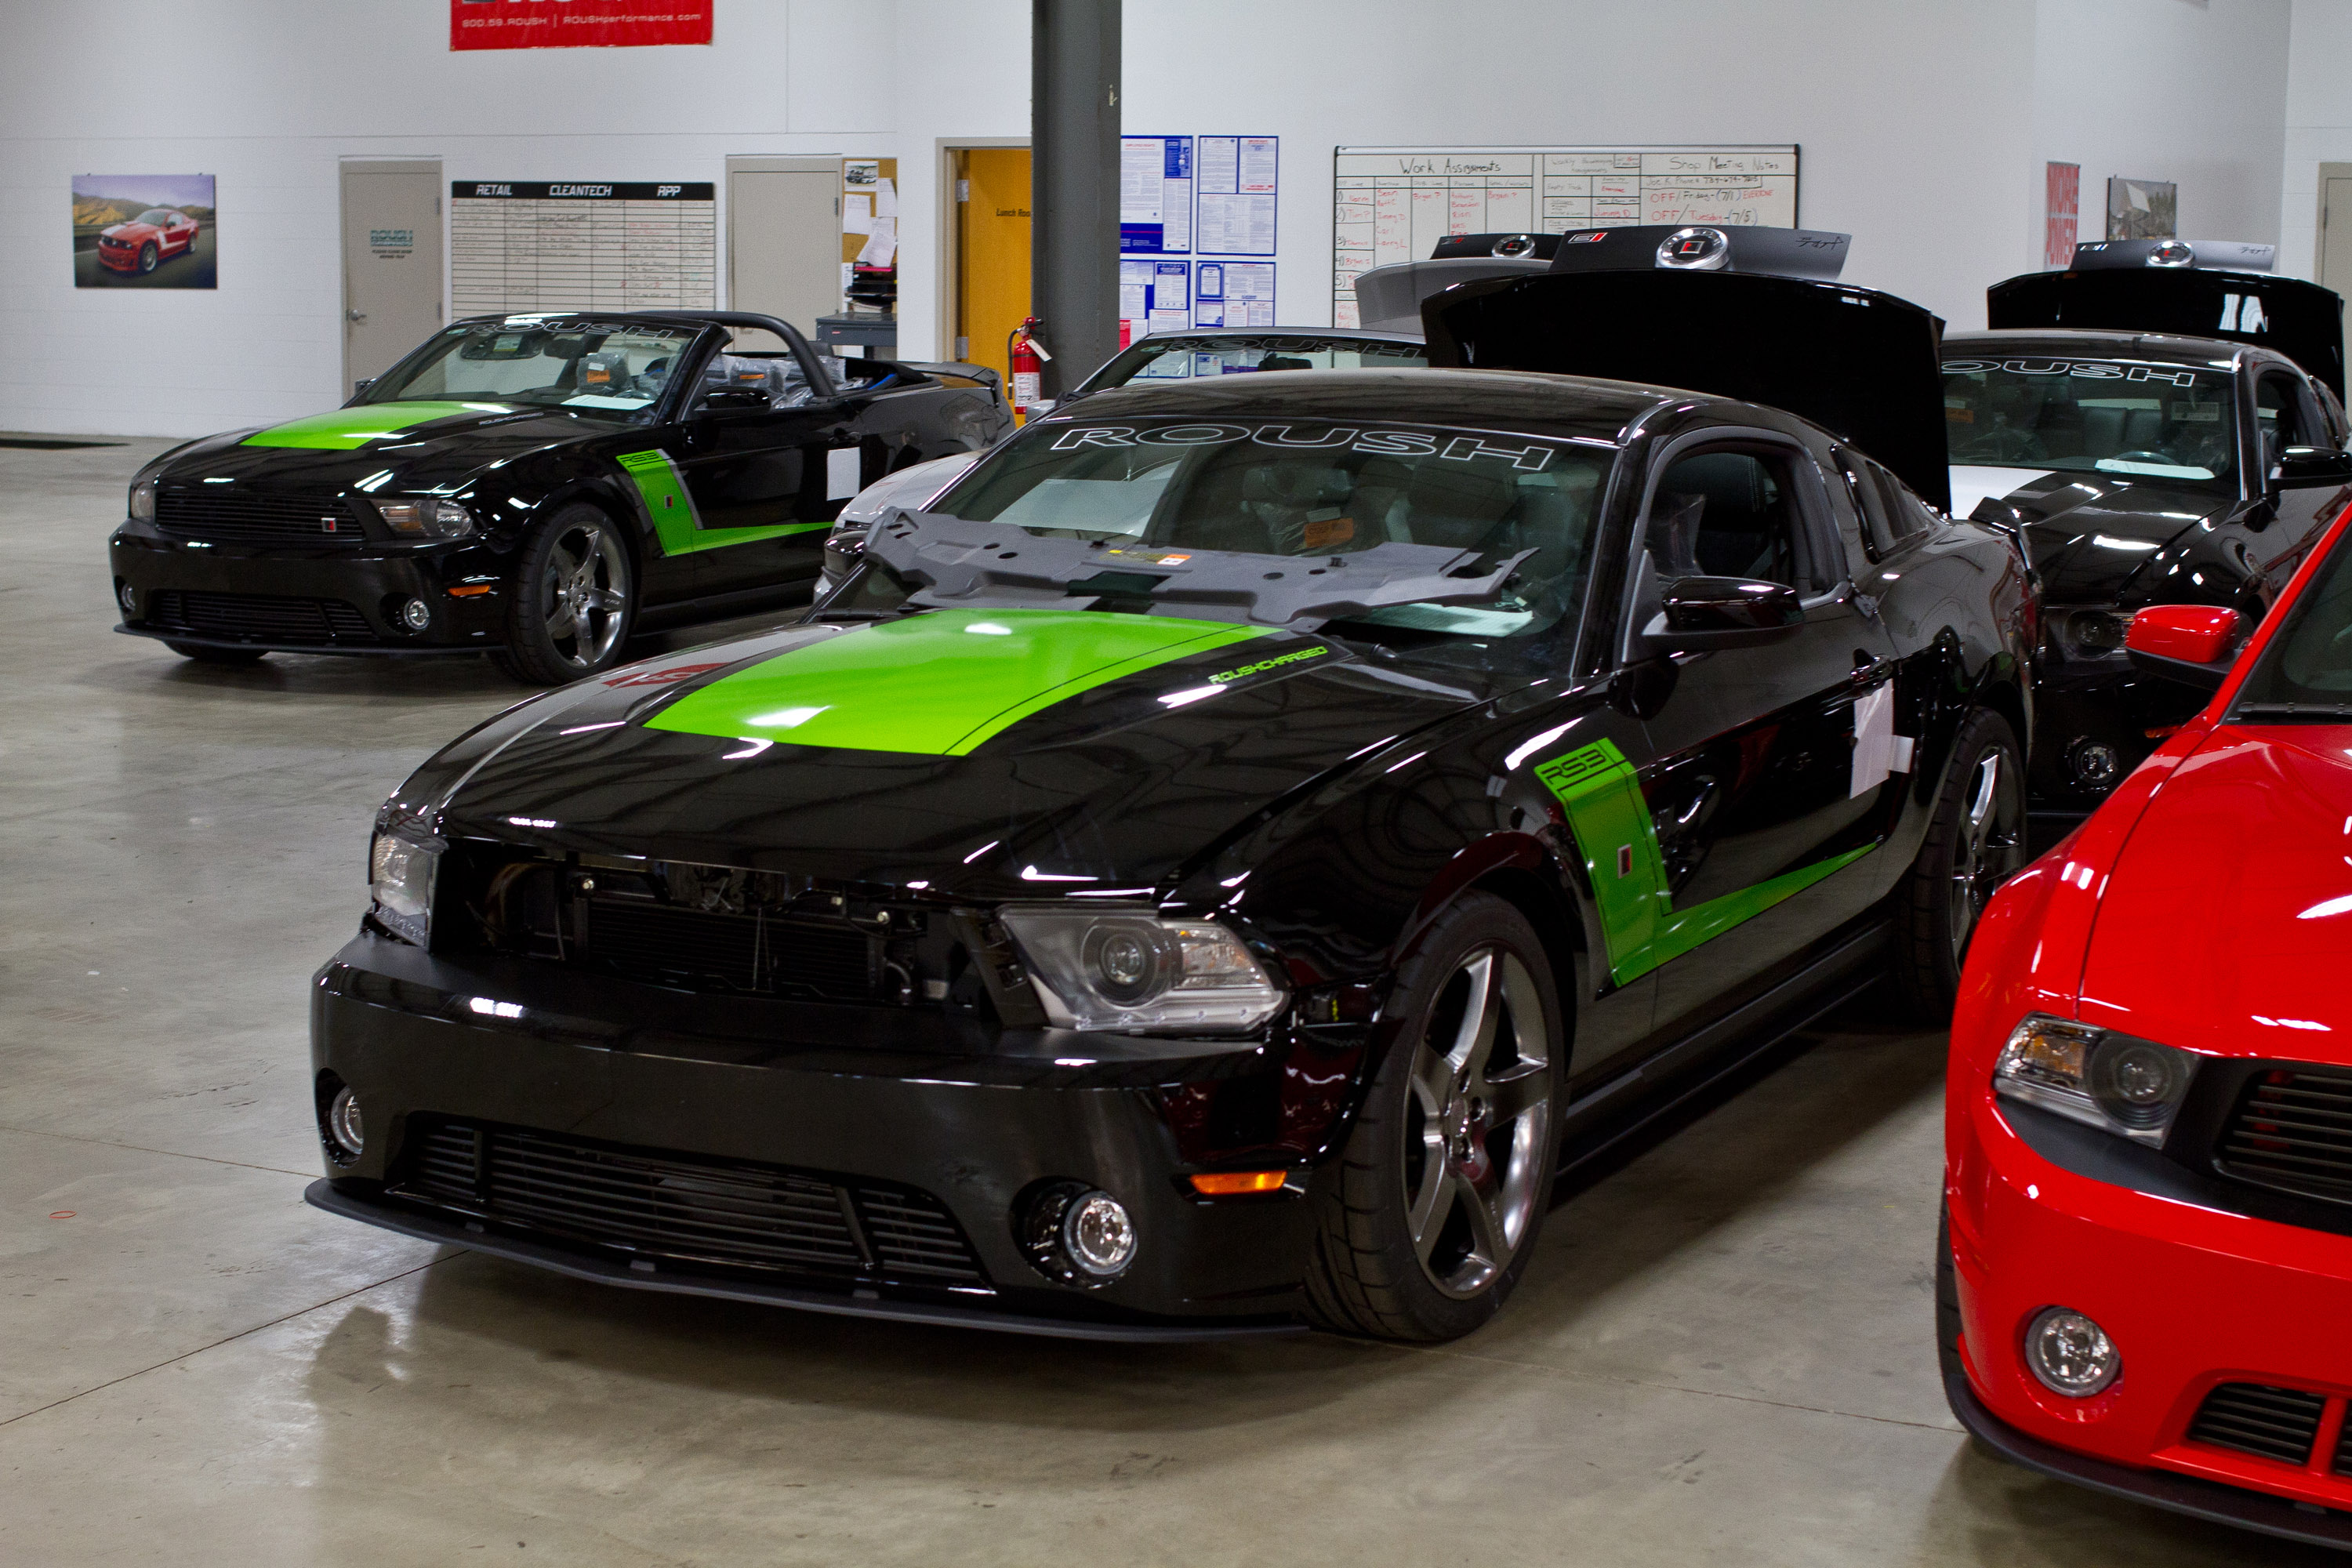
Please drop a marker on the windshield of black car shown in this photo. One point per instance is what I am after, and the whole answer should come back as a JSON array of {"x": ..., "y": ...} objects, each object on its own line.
[
  {"x": 612, "y": 368},
  {"x": 2172, "y": 423},
  {"x": 156, "y": 215},
  {"x": 2309, "y": 661},
  {"x": 1182, "y": 358},
  {"x": 1293, "y": 488}
]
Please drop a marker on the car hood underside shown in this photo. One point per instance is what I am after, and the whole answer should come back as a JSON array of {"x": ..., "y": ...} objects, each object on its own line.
[{"x": 980, "y": 753}]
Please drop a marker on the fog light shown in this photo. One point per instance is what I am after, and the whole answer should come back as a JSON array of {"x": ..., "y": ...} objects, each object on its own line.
[
  {"x": 130, "y": 597},
  {"x": 346, "y": 1135},
  {"x": 2070, "y": 1355},
  {"x": 2094, "y": 763},
  {"x": 1099, "y": 1234},
  {"x": 416, "y": 615}
]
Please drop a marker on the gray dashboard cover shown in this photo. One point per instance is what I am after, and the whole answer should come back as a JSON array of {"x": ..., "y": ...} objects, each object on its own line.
[
  {"x": 1387, "y": 298},
  {"x": 1859, "y": 364}
]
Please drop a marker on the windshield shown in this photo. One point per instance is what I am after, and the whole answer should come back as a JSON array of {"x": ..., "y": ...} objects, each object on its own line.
[
  {"x": 2167, "y": 422},
  {"x": 156, "y": 215},
  {"x": 606, "y": 368},
  {"x": 1312, "y": 489},
  {"x": 1180, "y": 358},
  {"x": 2309, "y": 662}
]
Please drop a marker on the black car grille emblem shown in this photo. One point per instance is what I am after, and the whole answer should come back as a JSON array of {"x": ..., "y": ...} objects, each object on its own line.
[{"x": 327, "y": 525}]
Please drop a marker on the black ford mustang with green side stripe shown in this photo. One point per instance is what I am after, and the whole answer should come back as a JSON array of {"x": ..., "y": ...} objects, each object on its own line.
[
  {"x": 1213, "y": 871},
  {"x": 536, "y": 488}
]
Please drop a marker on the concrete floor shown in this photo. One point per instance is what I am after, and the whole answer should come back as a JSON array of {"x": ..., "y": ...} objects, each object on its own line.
[{"x": 1722, "y": 1351}]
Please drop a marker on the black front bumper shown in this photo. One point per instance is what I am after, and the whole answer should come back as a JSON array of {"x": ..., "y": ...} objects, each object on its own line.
[
  {"x": 975, "y": 1119},
  {"x": 2162, "y": 1488},
  {"x": 249, "y": 588}
]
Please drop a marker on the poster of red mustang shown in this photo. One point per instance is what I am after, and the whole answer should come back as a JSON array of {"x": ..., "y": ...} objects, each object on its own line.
[{"x": 569, "y": 24}]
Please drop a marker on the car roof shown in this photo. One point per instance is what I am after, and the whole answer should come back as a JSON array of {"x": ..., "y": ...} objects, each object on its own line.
[
  {"x": 2163, "y": 348},
  {"x": 1247, "y": 332},
  {"x": 1575, "y": 406}
]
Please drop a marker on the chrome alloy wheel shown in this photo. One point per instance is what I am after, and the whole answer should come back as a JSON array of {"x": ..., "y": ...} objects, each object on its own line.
[
  {"x": 1991, "y": 844},
  {"x": 1476, "y": 1126},
  {"x": 586, "y": 589}
]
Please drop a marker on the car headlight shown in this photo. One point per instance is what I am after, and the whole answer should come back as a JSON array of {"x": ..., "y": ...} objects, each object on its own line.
[
  {"x": 2092, "y": 632},
  {"x": 426, "y": 518},
  {"x": 400, "y": 880},
  {"x": 1115, "y": 969},
  {"x": 2116, "y": 1082},
  {"x": 143, "y": 501}
]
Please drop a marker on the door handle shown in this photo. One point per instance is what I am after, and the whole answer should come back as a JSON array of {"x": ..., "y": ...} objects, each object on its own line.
[{"x": 355, "y": 315}]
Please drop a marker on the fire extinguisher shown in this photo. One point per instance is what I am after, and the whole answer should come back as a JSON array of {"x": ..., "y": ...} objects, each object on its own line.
[{"x": 1028, "y": 357}]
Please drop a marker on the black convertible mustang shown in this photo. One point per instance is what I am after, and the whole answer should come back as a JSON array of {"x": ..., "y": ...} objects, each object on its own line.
[
  {"x": 1206, "y": 875},
  {"x": 2159, "y": 432},
  {"x": 535, "y": 487}
]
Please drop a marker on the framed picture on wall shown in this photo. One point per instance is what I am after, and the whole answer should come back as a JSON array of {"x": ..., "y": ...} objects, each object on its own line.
[
  {"x": 144, "y": 231},
  {"x": 2142, "y": 209}
]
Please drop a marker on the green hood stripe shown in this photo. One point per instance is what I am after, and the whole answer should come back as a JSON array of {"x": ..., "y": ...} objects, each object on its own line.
[
  {"x": 939, "y": 684},
  {"x": 347, "y": 429},
  {"x": 1601, "y": 795}
]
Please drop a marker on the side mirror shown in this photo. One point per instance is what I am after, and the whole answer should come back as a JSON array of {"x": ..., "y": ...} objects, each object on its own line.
[
  {"x": 1703, "y": 614},
  {"x": 2191, "y": 644},
  {"x": 2311, "y": 468},
  {"x": 362, "y": 386},
  {"x": 732, "y": 400}
]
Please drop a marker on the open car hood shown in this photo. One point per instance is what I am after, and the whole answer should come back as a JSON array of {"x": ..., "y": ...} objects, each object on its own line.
[
  {"x": 2299, "y": 320},
  {"x": 1859, "y": 364}
]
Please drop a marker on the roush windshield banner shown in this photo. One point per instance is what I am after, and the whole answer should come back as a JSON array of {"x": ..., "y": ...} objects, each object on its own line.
[{"x": 576, "y": 24}]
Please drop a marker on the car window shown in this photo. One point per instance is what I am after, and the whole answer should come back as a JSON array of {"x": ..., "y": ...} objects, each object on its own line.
[
  {"x": 2169, "y": 422},
  {"x": 1892, "y": 516},
  {"x": 156, "y": 215},
  {"x": 779, "y": 375},
  {"x": 1181, "y": 357},
  {"x": 596, "y": 369},
  {"x": 1729, "y": 513},
  {"x": 2280, "y": 418},
  {"x": 2310, "y": 658},
  {"x": 1291, "y": 488}
]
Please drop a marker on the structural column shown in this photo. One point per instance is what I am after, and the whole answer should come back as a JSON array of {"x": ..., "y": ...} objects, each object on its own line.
[{"x": 1074, "y": 184}]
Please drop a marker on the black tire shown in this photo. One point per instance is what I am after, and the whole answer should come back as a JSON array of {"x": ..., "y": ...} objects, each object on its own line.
[
  {"x": 149, "y": 257},
  {"x": 570, "y": 609},
  {"x": 1967, "y": 854},
  {"x": 204, "y": 655},
  {"x": 1495, "y": 1126}
]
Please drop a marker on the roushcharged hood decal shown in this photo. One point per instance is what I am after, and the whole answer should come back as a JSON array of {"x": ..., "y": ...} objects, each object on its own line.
[
  {"x": 940, "y": 684},
  {"x": 348, "y": 429}
]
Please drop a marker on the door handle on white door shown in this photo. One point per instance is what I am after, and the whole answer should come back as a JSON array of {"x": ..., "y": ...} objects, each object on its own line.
[{"x": 355, "y": 315}]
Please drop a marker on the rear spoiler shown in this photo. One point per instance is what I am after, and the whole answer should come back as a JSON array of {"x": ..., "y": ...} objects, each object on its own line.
[
  {"x": 1859, "y": 364},
  {"x": 979, "y": 372},
  {"x": 2299, "y": 320},
  {"x": 1387, "y": 298}
]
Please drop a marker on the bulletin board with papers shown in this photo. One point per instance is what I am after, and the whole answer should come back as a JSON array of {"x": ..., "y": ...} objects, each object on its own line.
[
  {"x": 1193, "y": 213},
  {"x": 1395, "y": 203}
]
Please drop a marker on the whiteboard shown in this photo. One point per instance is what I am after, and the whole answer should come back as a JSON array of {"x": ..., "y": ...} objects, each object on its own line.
[{"x": 1395, "y": 203}]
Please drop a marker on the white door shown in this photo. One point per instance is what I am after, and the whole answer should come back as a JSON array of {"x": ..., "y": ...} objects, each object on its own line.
[
  {"x": 784, "y": 238},
  {"x": 2335, "y": 229},
  {"x": 392, "y": 262}
]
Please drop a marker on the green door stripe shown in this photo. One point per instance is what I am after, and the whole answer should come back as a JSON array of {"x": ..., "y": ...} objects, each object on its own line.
[
  {"x": 348, "y": 429},
  {"x": 938, "y": 684},
  {"x": 675, "y": 521},
  {"x": 1601, "y": 795}
]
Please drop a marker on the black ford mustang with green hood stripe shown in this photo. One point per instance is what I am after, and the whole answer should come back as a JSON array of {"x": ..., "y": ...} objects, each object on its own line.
[
  {"x": 1208, "y": 874},
  {"x": 536, "y": 488}
]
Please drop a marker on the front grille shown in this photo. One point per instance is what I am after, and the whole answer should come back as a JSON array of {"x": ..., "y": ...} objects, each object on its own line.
[
  {"x": 757, "y": 953},
  {"x": 2292, "y": 1130},
  {"x": 2279, "y": 1424},
  {"x": 257, "y": 618},
  {"x": 691, "y": 1209},
  {"x": 257, "y": 517}
]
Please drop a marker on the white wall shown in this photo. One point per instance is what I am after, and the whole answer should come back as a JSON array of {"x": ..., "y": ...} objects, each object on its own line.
[
  {"x": 2318, "y": 124},
  {"x": 2193, "y": 91},
  {"x": 1924, "y": 127}
]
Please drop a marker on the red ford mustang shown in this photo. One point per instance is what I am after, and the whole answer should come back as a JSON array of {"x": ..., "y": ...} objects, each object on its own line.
[
  {"x": 2147, "y": 1283},
  {"x": 144, "y": 241}
]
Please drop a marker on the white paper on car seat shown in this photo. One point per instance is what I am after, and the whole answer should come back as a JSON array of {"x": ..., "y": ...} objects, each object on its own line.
[{"x": 1874, "y": 739}]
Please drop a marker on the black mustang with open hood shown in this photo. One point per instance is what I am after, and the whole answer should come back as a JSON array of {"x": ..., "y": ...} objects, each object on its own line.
[
  {"x": 1204, "y": 877},
  {"x": 536, "y": 488},
  {"x": 2159, "y": 432}
]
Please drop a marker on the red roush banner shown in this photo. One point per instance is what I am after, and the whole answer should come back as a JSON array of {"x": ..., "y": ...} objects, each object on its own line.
[{"x": 569, "y": 24}]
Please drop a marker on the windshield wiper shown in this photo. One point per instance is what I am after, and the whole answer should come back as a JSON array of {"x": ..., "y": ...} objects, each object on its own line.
[
  {"x": 2294, "y": 712},
  {"x": 956, "y": 561}
]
